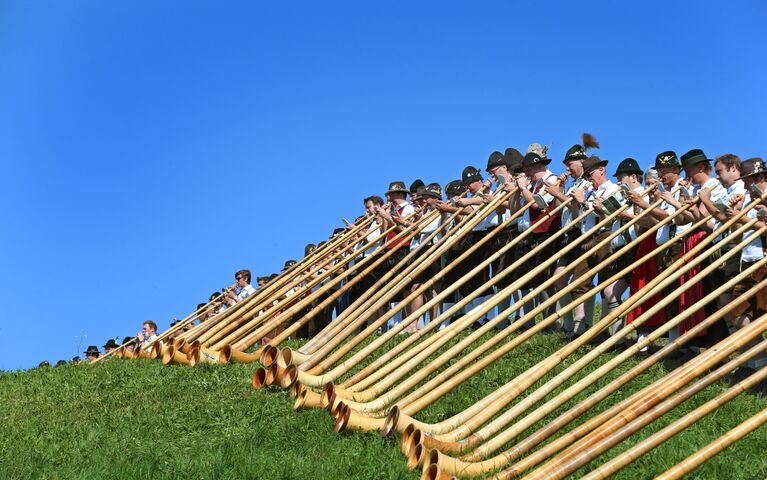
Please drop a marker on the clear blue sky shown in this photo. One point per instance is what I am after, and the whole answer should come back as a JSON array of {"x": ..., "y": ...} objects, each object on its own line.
[{"x": 151, "y": 149}]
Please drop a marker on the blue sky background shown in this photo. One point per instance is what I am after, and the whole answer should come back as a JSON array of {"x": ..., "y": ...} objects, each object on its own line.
[{"x": 151, "y": 149}]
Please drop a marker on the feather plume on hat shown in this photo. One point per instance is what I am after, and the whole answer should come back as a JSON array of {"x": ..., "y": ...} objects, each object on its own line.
[{"x": 589, "y": 141}]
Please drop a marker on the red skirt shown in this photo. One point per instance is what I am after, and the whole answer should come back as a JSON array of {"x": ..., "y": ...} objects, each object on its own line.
[
  {"x": 641, "y": 276},
  {"x": 695, "y": 293}
]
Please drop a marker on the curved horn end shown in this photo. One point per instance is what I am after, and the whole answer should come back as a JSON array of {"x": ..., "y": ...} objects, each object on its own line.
[
  {"x": 289, "y": 377},
  {"x": 390, "y": 424},
  {"x": 259, "y": 378}
]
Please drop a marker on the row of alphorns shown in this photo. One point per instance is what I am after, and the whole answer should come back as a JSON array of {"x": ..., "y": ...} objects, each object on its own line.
[{"x": 382, "y": 385}]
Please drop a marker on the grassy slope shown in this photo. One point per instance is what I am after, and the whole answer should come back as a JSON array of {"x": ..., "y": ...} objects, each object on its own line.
[{"x": 139, "y": 419}]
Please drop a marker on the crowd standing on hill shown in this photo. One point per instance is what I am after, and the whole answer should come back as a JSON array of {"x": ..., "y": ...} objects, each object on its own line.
[{"x": 721, "y": 187}]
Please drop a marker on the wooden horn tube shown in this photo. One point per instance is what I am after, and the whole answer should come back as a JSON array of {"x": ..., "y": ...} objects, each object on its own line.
[
  {"x": 259, "y": 378},
  {"x": 643, "y": 399},
  {"x": 307, "y": 399},
  {"x": 350, "y": 419},
  {"x": 174, "y": 357},
  {"x": 677, "y": 426},
  {"x": 268, "y": 355},
  {"x": 292, "y": 357},
  {"x": 229, "y": 354},
  {"x": 700, "y": 457}
]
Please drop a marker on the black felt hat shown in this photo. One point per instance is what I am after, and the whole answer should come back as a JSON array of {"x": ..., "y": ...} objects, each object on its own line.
[
  {"x": 61, "y": 362},
  {"x": 592, "y": 163},
  {"x": 752, "y": 166},
  {"x": 309, "y": 249},
  {"x": 455, "y": 188},
  {"x": 395, "y": 187},
  {"x": 92, "y": 349},
  {"x": 513, "y": 159},
  {"x": 112, "y": 344},
  {"x": 470, "y": 174},
  {"x": 43, "y": 364},
  {"x": 628, "y": 166},
  {"x": 433, "y": 190},
  {"x": 667, "y": 159},
  {"x": 694, "y": 156},
  {"x": 576, "y": 152},
  {"x": 127, "y": 340},
  {"x": 496, "y": 160},
  {"x": 414, "y": 186},
  {"x": 532, "y": 158},
  {"x": 288, "y": 264},
  {"x": 76, "y": 359}
]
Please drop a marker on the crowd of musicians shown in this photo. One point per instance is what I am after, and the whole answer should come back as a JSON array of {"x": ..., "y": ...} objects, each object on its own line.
[
  {"x": 693, "y": 184},
  {"x": 566, "y": 212}
]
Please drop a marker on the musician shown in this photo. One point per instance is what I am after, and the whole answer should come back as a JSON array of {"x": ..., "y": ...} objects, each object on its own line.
[
  {"x": 91, "y": 353},
  {"x": 110, "y": 346},
  {"x": 242, "y": 278},
  {"x": 366, "y": 246},
  {"x": 130, "y": 344},
  {"x": 754, "y": 175},
  {"x": 727, "y": 168},
  {"x": 500, "y": 167},
  {"x": 573, "y": 161},
  {"x": 453, "y": 190},
  {"x": 396, "y": 216},
  {"x": 594, "y": 170},
  {"x": 261, "y": 281},
  {"x": 532, "y": 191},
  {"x": 429, "y": 195},
  {"x": 147, "y": 335}
]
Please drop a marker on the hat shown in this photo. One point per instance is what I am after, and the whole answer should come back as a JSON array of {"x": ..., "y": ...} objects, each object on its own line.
[
  {"x": 288, "y": 264},
  {"x": 455, "y": 188},
  {"x": 273, "y": 276},
  {"x": 433, "y": 190},
  {"x": 694, "y": 156},
  {"x": 628, "y": 166},
  {"x": 76, "y": 359},
  {"x": 592, "y": 163},
  {"x": 92, "y": 349},
  {"x": 667, "y": 159},
  {"x": 127, "y": 340},
  {"x": 533, "y": 158},
  {"x": 496, "y": 160},
  {"x": 337, "y": 231},
  {"x": 538, "y": 149},
  {"x": 469, "y": 175},
  {"x": 513, "y": 159},
  {"x": 414, "y": 186},
  {"x": 752, "y": 166},
  {"x": 309, "y": 249},
  {"x": 576, "y": 152},
  {"x": 419, "y": 191},
  {"x": 397, "y": 187},
  {"x": 61, "y": 362},
  {"x": 43, "y": 364},
  {"x": 112, "y": 344}
]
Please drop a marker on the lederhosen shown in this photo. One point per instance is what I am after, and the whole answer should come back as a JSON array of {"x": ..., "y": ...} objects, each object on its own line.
[
  {"x": 594, "y": 259},
  {"x": 501, "y": 239},
  {"x": 540, "y": 234},
  {"x": 625, "y": 259},
  {"x": 474, "y": 259}
]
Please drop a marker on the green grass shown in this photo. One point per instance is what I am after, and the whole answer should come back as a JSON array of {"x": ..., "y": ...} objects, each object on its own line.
[{"x": 140, "y": 419}]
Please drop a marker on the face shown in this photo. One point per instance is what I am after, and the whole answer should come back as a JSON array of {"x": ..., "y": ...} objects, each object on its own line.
[
  {"x": 693, "y": 170},
  {"x": 575, "y": 168},
  {"x": 499, "y": 171},
  {"x": 668, "y": 175},
  {"x": 597, "y": 175},
  {"x": 242, "y": 280},
  {"x": 650, "y": 181},
  {"x": 429, "y": 200},
  {"x": 370, "y": 207},
  {"x": 148, "y": 330},
  {"x": 726, "y": 175},
  {"x": 475, "y": 186},
  {"x": 91, "y": 357}
]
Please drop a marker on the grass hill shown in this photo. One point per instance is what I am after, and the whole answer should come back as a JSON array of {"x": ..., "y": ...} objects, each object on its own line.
[{"x": 140, "y": 419}]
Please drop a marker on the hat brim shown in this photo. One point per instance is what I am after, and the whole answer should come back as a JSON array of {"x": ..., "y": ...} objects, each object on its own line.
[
  {"x": 627, "y": 172},
  {"x": 568, "y": 160},
  {"x": 602, "y": 163},
  {"x": 406, "y": 192}
]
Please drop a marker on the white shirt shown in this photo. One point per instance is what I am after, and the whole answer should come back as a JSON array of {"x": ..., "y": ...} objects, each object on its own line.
[
  {"x": 662, "y": 235},
  {"x": 731, "y": 192},
  {"x": 754, "y": 251},
  {"x": 427, "y": 230},
  {"x": 580, "y": 184},
  {"x": 374, "y": 231},
  {"x": 631, "y": 233},
  {"x": 490, "y": 221},
  {"x": 536, "y": 188},
  {"x": 245, "y": 292},
  {"x": 603, "y": 191}
]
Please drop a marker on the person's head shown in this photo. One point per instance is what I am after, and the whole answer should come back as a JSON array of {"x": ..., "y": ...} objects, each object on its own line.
[
  {"x": 91, "y": 353},
  {"x": 697, "y": 167},
  {"x": 573, "y": 160},
  {"x": 262, "y": 281},
  {"x": 243, "y": 278},
  {"x": 513, "y": 160},
  {"x": 471, "y": 178},
  {"x": 754, "y": 172},
  {"x": 594, "y": 170},
  {"x": 535, "y": 165},
  {"x": 150, "y": 328},
  {"x": 110, "y": 345},
  {"x": 397, "y": 193},
  {"x": 129, "y": 344},
  {"x": 454, "y": 189},
  {"x": 414, "y": 187},
  {"x": 668, "y": 167},
  {"x": 432, "y": 194},
  {"x": 651, "y": 177},
  {"x": 371, "y": 203},
  {"x": 497, "y": 167},
  {"x": 727, "y": 168},
  {"x": 629, "y": 173}
]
